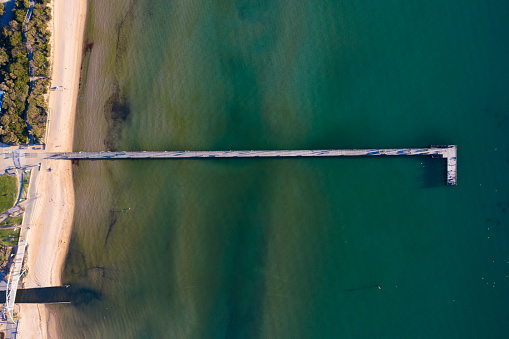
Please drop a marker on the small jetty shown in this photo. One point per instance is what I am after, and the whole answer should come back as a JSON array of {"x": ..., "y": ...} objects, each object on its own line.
[{"x": 41, "y": 295}]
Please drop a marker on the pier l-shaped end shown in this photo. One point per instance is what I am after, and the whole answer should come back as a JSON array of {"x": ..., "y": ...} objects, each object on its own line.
[{"x": 452, "y": 176}]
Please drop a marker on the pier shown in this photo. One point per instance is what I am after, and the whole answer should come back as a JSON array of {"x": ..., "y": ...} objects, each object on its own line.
[
  {"x": 248, "y": 154},
  {"x": 447, "y": 152},
  {"x": 31, "y": 156}
]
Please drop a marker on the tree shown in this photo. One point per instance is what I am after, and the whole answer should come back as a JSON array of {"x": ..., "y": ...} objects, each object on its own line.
[
  {"x": 4, "y": 57},
  {"x": 2, "y": 9},
  {"x": 14, "y": 73},
  {"x": 19, "y": 15}
]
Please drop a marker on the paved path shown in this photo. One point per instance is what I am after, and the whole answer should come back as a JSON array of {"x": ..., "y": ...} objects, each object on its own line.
[
  {"x": 20, "y": 252},
  {"x": 20, "y": 191},
  {"x": 10, "y": 329},
  {"x": 16, "y": 208}
]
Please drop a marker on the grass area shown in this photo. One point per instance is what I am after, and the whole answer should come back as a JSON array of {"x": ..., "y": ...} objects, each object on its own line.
[
  {"x": 12, "y": 221},
  {"x": 8, "y": 191},
  {"x": 9, "y": 237}
]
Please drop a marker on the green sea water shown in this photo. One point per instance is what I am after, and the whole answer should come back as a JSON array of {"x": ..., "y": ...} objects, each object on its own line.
[{"x": 292, "y": 248}]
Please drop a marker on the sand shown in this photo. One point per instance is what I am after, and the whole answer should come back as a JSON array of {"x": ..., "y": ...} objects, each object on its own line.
[{"x": 53, "y": 214}]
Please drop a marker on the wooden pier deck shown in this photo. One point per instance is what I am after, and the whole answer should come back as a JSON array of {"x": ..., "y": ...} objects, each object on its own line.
[{"x": 448, "y": 152}]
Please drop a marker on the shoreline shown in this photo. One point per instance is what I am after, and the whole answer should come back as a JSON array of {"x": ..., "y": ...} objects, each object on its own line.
[{"x": 53, "y": 213}]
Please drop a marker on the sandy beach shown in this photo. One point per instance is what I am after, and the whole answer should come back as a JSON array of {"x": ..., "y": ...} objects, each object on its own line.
[{"x": 53, "y": 213}]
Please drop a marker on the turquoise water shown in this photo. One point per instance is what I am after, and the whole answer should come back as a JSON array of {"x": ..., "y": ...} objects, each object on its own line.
[{"x": 292, "y": 248}]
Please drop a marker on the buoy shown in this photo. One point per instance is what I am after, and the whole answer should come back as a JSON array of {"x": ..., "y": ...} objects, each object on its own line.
[{"x": 378, "y": 287}]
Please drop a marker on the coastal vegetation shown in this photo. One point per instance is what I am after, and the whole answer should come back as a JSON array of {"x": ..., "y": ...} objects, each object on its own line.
[
  {"x": 24, "y": 102},
  {"x": 11, "y": 221},
  {"x": 8, "y": 236},
  {"x": 8, "y": 191},
  {"x": 5, "y": 253}
]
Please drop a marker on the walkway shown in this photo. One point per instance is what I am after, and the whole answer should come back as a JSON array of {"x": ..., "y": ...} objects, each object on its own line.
[
  {"x": 12, "y": 286},
  {"x": 14, "y": 210}
]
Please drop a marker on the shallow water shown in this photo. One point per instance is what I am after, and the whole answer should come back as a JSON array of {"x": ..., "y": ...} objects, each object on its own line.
[{"x": 292, "y": 247}]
